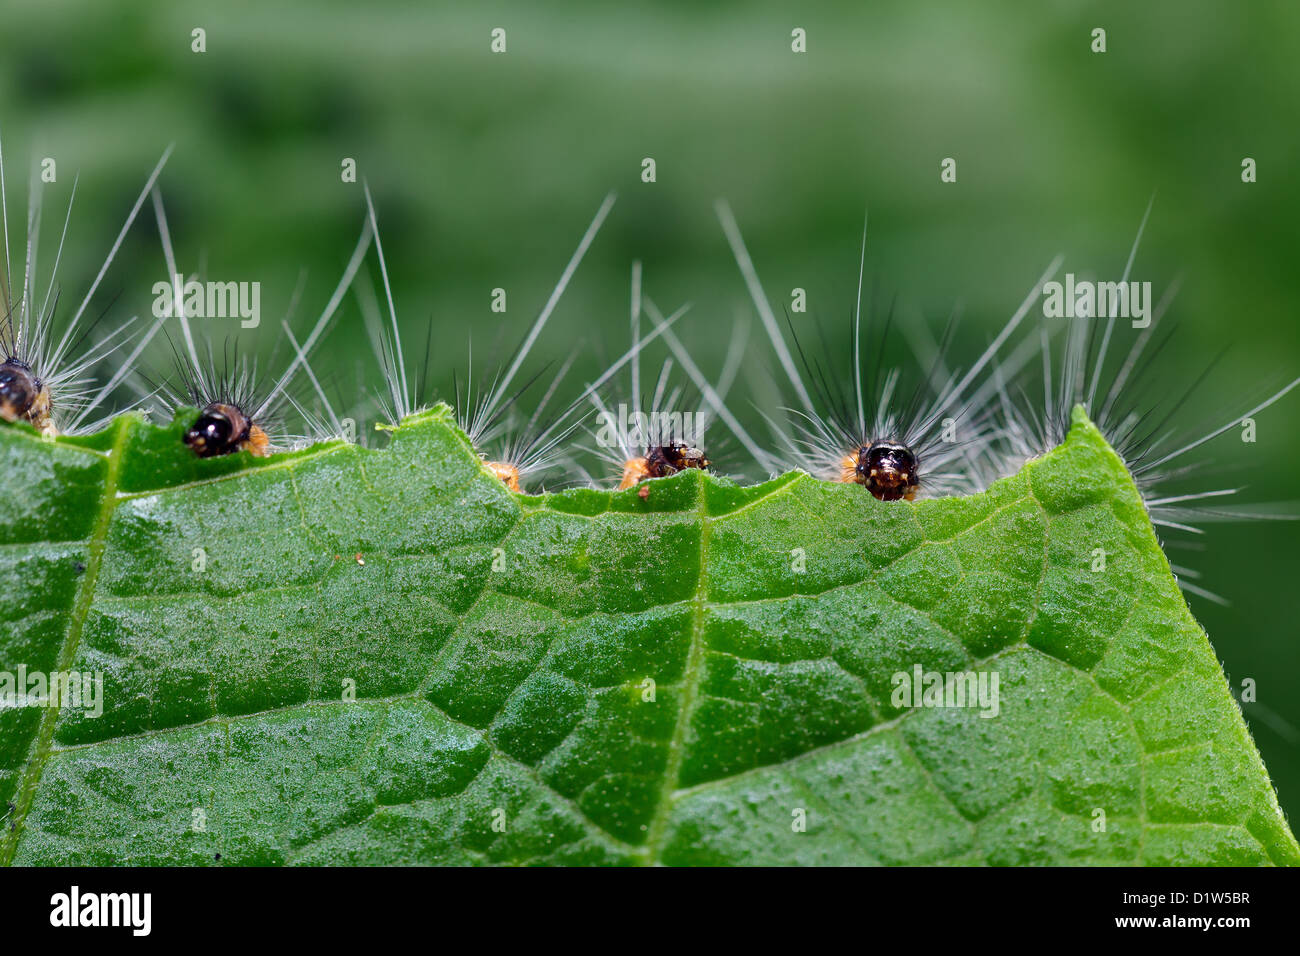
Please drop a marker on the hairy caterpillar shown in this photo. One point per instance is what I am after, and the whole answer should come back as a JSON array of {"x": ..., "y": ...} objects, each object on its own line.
[
  {"x": 235, "y": 412},
  {"x": 47, "y": 377},
  {"x": 515, "y": 448},
  {"x": 857, "y": 424},
  {"x": 1128, "y": 400},
  {"x": 637, "y": 444}
]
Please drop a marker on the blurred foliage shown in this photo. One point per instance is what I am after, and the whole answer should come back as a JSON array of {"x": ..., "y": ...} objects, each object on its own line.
[{"x": 486, "y": 169}]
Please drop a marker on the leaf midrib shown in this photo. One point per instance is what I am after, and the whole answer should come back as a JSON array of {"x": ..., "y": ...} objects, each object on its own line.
[
  {"x": 40, "y": 749},
  {"x": 690, "y": 687}
]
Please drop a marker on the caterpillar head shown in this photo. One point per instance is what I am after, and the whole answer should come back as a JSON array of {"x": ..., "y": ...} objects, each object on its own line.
[
  {"x": 222, "y": 429},
  {"x": 22, "y": 394},
  {"x": 661, "y": 461},
  {"x": 673, "y": 457},
  {"x": 887, "y": 469}
]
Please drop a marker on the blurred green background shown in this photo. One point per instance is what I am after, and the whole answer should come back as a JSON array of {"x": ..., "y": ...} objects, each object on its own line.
[{"x": 486, "y": 169}]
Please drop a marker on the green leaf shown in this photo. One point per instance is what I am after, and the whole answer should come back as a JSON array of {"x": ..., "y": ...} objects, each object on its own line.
[{"x": 352, "y": 656}]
